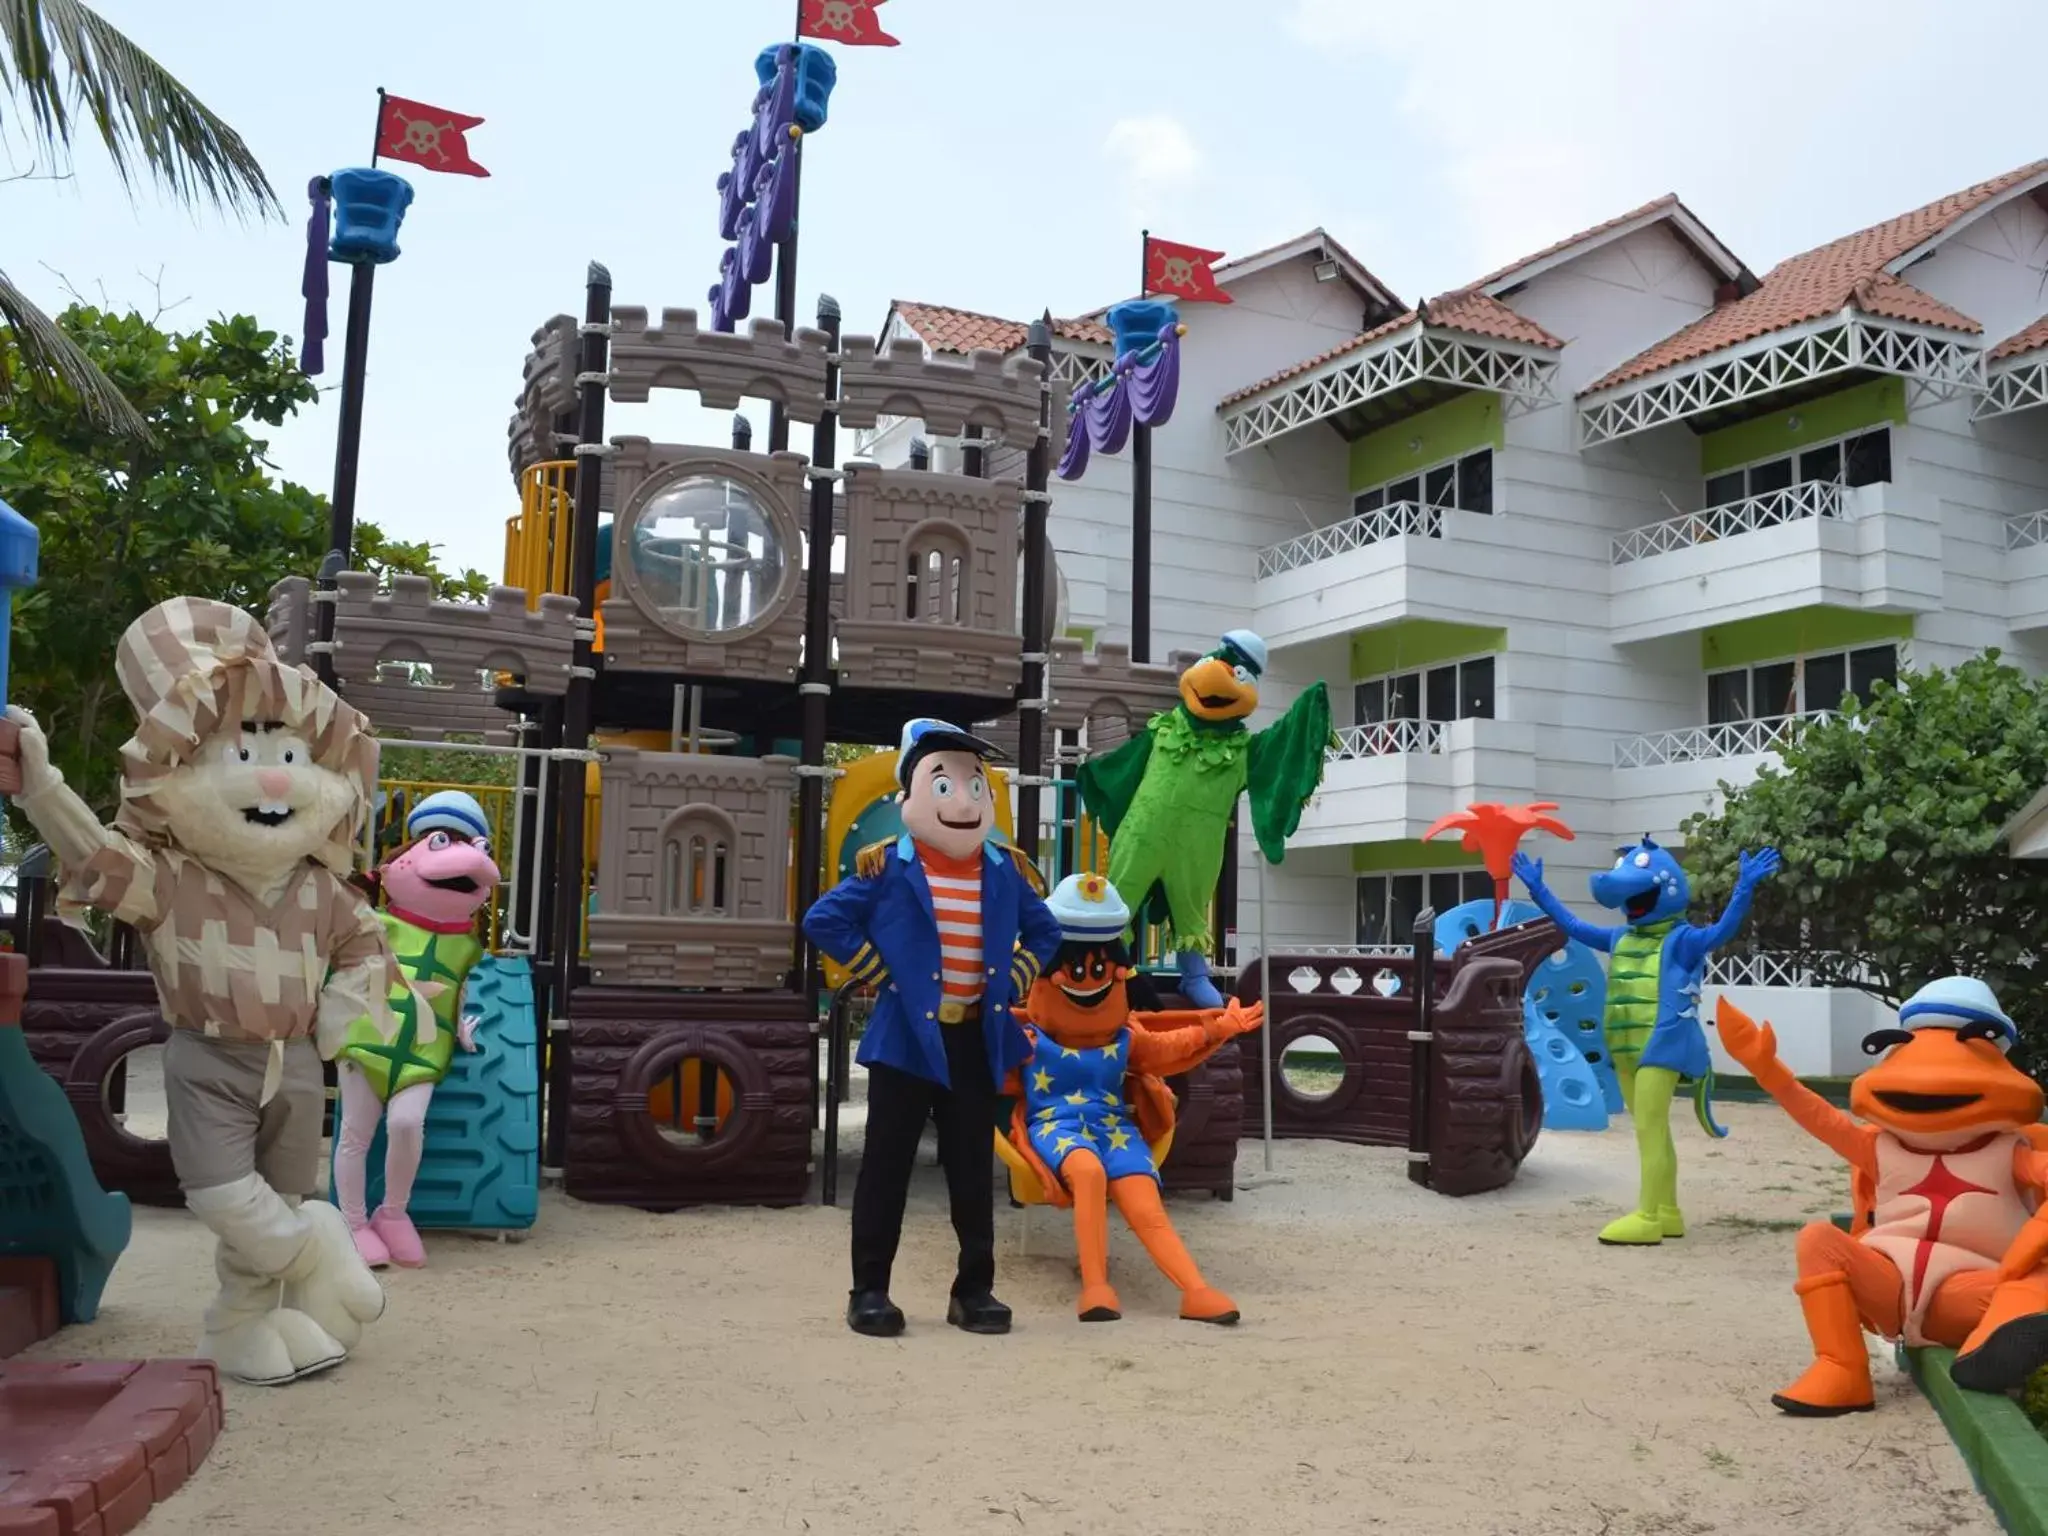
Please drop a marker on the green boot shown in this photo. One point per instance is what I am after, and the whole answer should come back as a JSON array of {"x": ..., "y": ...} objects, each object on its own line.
[{"x": 1656, "y": 1216}]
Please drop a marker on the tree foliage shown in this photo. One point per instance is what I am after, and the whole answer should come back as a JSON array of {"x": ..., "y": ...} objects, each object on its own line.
[
  {"x": 125, "y": 522},
  {"x": 1889, "y": 819}
]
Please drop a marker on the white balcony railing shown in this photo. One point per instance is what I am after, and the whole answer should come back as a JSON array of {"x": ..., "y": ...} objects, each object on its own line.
[
  {"x": 1387, "y": 738},
  {"x": 2024, "y": 530},
  {"x": 1778, "y": 971},
  {"x": 1374, "y": 527},
  {"x": 1773, "y": 509},
  {"x": 1709, "y": 743}
]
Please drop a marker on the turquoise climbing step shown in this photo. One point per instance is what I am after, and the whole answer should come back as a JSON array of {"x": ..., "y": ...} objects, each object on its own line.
[
  {"x": 481, "y": 1168},
  {"x": 51, "y": 1206}
]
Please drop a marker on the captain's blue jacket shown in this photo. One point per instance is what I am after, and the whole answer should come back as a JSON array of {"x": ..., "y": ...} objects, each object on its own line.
[{"x": 881, "y": 928}]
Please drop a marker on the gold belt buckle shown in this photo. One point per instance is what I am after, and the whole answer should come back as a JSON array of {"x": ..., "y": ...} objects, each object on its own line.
[{"x": 952, "y": 1011}]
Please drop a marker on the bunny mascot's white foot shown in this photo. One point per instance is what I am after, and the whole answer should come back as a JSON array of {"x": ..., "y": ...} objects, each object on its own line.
[{"x": 241, "y": 790}]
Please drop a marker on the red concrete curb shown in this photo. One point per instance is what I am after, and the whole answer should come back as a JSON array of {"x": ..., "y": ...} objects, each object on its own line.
[
  {"x": 28, "y": 1303},
  {"x": 87, "y": 1447}
]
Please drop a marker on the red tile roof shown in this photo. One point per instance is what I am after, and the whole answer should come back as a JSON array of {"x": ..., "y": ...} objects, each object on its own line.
[
  {"x": 963, "y": 330},
  {"x": 1471, "y": 314},
  {"x": 2032, "y": 339},
  {"x": 1848, "y": 273}
]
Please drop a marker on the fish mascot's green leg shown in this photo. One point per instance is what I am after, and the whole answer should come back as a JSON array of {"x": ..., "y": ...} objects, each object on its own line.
[{"x": 1656, "y": 1215}]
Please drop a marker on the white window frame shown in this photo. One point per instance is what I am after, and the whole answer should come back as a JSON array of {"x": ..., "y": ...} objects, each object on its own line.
[
  {"x": 1794, "y": 454},
  {"x": 1421, "y": 478},
  {"x": 1421, "y": 676},
  {"x": 1467, "y": 875},
  {"x": 1798, "y": 663}
]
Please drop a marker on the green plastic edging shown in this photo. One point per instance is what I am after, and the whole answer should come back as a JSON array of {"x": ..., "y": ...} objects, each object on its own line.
[{"x": 2004, "y": 1452}]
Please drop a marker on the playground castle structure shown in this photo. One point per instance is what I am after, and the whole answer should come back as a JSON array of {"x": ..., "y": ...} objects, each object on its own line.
[{"x": 673, "y": 651}]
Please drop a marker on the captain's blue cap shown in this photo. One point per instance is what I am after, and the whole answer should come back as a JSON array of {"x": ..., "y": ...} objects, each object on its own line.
[
  {"x": 1250, "y": 649},
  {"x": 448, "y": 810},
  {"x": 1954, "y": 1001},
  {"x": 925, "y": 735}
]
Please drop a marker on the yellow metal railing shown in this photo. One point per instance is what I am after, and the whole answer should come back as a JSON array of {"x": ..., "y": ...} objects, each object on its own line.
[
  {"x": 537, "y": 540},
  {"x": 500, "y": 804}
]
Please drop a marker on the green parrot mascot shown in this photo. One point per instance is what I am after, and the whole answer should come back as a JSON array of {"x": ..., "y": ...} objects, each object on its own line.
[{"x": 1164, "y": 797}]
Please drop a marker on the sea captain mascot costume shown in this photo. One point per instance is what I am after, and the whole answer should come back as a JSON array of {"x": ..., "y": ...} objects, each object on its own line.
[
  {"x": 432, "y": 890},
  {"x": 948, "y": 926},
  {"x": 1092, "y": 1101},
  {"x": 1164, "y": 798},
  {"x": 241, "y": 790},
  {"x": 1654, "y": 1034},
  {"x": 1948, "y": 1171}
]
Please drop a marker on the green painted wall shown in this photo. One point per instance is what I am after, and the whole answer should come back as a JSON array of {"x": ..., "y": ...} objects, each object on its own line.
[
  {"x": 1409, "y": 643},
  {"x": 1848, "y": 410},
  {"x": 1082, "y": 633},
  {"x": 1798, "y": 633},
  {"x": 1446, "y": 431},
  {"x": 1405, "y": 853}
]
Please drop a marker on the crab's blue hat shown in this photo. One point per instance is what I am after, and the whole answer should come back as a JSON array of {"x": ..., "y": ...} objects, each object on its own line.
[{"x": 1953, "y": 1001}]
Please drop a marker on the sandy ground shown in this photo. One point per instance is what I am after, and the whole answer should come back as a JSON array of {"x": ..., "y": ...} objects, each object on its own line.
[{"x": 1407, "y": 1363}]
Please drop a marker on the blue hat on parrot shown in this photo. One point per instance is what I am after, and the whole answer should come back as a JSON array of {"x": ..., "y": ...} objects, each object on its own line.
[
  {"x": 448, "y": 810},
  {"x": 1089, "y": 909},
  {"x": 1954, "y": 1001},
  {"x": 1247, "y": 650},
  {"x": 925, "y": 735}
]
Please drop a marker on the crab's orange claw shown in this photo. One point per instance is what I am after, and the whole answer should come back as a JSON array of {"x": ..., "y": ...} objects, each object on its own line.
[{"x": 1753, "y": 1045}]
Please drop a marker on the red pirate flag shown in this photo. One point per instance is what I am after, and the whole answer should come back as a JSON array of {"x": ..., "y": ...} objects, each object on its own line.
[
  {"x": 419, "y": 134},
  {"x": 1182, "y": 272},
  {"x": 851, "y": 22}
]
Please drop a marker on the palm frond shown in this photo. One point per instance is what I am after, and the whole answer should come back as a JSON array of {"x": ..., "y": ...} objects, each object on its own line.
[
  {"x": 60, "y": 58},
  {"x": 50, "y": 359}
]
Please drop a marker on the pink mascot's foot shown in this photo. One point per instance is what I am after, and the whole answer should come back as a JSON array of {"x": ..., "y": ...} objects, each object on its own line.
[
  {"x": 399, "y": 1238},
  {"x": 370, "y": 1245}
]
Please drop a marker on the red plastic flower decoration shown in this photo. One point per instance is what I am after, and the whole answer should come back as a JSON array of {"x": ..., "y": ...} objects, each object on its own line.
[{"x": 1494, "y": 831}]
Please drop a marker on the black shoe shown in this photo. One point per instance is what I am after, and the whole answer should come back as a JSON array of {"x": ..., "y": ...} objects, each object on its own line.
[
  {"x": 2006, "y": 1359},
  {"x": 874, "y": 1314},
  {"x": 978, "y": 1314}
]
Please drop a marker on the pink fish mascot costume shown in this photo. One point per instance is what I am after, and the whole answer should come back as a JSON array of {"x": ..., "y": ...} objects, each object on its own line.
[{"x": 432, "y": 891}]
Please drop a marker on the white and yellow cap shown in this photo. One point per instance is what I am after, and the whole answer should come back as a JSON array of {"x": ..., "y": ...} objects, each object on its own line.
[{"x": 1089, "y": 909}]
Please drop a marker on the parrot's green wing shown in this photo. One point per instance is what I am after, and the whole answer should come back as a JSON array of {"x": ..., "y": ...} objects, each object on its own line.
[
  {"x": 1285, "y": 768},
  {"x": 1109, "y": 783}
]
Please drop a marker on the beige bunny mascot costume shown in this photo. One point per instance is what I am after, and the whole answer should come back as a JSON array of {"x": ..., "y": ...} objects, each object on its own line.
[{"x": 241, "y": 790}]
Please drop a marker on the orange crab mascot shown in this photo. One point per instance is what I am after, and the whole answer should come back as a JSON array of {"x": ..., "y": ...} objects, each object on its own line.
[
  {"x": 1948, "y": 1179},
  {"x": 1092, "y": 1101}
]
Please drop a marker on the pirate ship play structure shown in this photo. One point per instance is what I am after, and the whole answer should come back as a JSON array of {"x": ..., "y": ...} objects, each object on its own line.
[{"x": 674, "y": 649}]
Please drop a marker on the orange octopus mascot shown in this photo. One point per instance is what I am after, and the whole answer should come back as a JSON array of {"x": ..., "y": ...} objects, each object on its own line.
[
  {"x": 1948, "y": 1178},
  {"x": 1094, "y": 1116}
]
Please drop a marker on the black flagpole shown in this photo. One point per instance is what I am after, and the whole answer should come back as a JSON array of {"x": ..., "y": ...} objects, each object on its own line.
[
  {"x": 785, "y": 269},
  {"x": 348, "y": 440},
  {"x": 1141, "y": 502}
]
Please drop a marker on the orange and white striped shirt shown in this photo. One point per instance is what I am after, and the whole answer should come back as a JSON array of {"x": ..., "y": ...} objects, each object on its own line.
[{"x": 956, "y": 903}]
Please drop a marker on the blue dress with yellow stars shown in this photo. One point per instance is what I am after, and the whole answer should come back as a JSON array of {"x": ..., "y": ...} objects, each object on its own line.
[{"x": 1075, "y": 1098}]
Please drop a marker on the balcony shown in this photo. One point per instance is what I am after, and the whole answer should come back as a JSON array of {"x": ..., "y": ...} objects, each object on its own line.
[
  {"x": 1662, "y": 779},
  {"x": 1818, "y": 544},
  {"x": 1391, "y": 780},
  {"x": 1402, "y": 561}
]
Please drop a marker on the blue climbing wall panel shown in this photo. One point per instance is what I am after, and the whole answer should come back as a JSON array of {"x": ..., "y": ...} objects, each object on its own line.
[
  {"x": 1561, "y": 1012},
  {"x": 51, "y": 1206},
  {"x": 481, "y": 1170}
]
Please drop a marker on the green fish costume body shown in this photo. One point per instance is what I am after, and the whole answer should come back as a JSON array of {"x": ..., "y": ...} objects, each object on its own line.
[
  {"x": 1164, "y": 798},
  {"x": 394, "y": 1065}
]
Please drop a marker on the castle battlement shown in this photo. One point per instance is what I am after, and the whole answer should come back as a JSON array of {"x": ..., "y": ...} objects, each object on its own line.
[
  {"x": 1000, "y": 395},
  {"x": 723, "y": 368},
  {"x": 409, "y": 624}
]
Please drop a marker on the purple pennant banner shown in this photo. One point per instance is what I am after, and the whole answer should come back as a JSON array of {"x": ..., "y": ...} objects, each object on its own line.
[
  {"x": 1141, "y": 388},
  {"x": 757, "y": 197},
  {"x": 313, "y": 286}
]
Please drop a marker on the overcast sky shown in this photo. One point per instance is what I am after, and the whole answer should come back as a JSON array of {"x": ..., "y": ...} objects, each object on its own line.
[{"x": 1004, "y": 158}]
